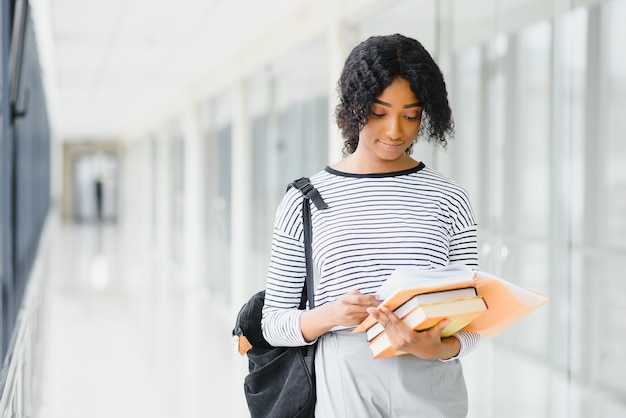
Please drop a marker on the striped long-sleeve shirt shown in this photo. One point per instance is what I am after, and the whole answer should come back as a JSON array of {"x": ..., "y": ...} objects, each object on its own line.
[{"x": 374, "y": 223}]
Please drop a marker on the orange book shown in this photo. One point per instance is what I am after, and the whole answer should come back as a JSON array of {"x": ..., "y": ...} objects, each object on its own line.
[
  {"x": 507, "y": 302},
  {"x": 460, "y": 312}
]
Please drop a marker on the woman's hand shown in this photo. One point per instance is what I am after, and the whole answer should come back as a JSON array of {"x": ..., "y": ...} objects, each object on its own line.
[
  {"x": 426, "y": 344},
  {"x": 349, "y": 310}
]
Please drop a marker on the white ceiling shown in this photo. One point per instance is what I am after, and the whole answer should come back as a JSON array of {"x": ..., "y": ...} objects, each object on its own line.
[{"x": 111, "y": 62}]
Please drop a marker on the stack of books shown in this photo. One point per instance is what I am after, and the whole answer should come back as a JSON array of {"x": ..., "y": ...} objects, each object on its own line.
[
  {"x": 422, "y": 311},
  {"x": 475, "y": 301}
]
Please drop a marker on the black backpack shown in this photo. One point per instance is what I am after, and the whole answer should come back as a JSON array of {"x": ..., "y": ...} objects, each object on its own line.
[{"x": 281, "y": 380}]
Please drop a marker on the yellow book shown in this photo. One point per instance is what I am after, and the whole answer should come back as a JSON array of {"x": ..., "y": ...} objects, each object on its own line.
[{"x": 460, "y": 313}]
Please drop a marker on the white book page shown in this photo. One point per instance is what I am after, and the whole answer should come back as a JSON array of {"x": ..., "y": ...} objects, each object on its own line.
[{"x": 408, "y": 277}]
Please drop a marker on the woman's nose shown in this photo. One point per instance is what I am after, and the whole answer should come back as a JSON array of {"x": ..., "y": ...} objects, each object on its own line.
[{"x": 394, "y": 128}]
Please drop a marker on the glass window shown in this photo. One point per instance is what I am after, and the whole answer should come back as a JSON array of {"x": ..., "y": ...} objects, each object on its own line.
[
  {"x": 415, "y": 18},
  {"x": 216, "y": 126},
  {"x": 606, "y": 196},
  {"x": 613, "y": 125},
  {"x": 495, "y": 132},
  {"x": 302, "y": 139},
  {"x": 300, "y": 95},
  {"x": 611, "y": 315},
  {"x": 527, "y": 264},
  {"x": 528, "y": 173},
  {"x": 523, "y": 389},
  {"x": 516, "y": 15},
  {"x": 263, "y": 170},
  {"x": 600, "y": 310},
  {"x": 474, "y": 22},
  {"x": 546, "y": 101},
  {"x": 176, "y": 190},
  {"x": 570, "y": 66},
  {"x": 152, "y": 179},
  {"x": 466, "y": 147}
]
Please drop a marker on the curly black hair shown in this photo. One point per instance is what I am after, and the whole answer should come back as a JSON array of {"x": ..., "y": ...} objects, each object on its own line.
[{"x": 371, "y": 67}]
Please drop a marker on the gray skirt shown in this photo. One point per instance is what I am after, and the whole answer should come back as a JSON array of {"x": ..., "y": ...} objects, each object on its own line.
[{"x": 350, "y": 384}]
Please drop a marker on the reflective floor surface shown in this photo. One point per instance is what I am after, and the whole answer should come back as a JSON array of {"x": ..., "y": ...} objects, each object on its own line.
[{"x": 121, "y": 337}]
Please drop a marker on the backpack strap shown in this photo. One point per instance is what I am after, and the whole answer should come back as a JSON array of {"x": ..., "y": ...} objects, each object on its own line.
[
  {"x": 310, "y": 193},
  {"x": 307, "y": 189},
  {"x": 247, "y": 332}
]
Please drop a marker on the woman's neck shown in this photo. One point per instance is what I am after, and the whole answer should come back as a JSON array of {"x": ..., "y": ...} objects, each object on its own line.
[{"x": 355, "y": 165}]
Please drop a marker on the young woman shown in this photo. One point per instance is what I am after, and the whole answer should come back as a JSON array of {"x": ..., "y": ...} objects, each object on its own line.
[{"x": 386, "y": 210}]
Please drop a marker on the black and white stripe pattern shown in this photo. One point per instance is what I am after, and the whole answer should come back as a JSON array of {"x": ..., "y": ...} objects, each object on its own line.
[{"x": 374, "y": 224}]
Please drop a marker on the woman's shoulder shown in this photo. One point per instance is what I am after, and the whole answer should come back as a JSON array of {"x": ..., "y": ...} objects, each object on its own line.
[
  {"x": 431, "y": 175},
  {"x": 293, "y": 197},
  {"x": 442, "y": 183}
]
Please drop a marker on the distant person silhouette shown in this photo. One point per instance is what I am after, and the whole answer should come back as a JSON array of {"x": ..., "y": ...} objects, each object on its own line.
[{"x": 98, "y": 190}]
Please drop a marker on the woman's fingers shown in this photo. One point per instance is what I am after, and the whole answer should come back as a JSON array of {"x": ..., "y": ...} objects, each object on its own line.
[
  {"x": 383, "y": 315},
  {"x": 357, "y": 298}
]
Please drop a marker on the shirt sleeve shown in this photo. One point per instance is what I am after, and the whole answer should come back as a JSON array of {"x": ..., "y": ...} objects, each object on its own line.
[
  {"x": 469, "y": 342},
  {"x": 286, "y": 275},
  {"x": 463, "y": 244},
  {"x": 464, "y": 247},
  {"x": 464, "y": 250}
]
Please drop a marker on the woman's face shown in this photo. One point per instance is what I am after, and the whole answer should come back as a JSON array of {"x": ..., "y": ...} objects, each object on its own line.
[{"x": 392, "y": 126}]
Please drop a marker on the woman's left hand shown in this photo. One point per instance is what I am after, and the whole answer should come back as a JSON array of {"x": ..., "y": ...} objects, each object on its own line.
[{"x": 427, "y": 344}]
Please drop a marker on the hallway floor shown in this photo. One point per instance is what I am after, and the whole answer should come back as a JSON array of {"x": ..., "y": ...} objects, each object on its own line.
[{"x": 121, "y": 337}]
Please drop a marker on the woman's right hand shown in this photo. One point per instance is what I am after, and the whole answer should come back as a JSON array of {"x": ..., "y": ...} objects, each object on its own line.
[
  {"x": 351, "y": 308},
  {"x": 348, "y": 310}
]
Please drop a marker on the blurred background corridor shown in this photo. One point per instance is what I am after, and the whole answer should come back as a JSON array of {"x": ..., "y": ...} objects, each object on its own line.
[{"x": 145, "y": 145}]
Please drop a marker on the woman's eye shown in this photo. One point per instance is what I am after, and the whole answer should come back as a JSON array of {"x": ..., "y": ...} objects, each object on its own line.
[
  {"x": 378, "y": 115},
  {"x": 413, "y": 117}
]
